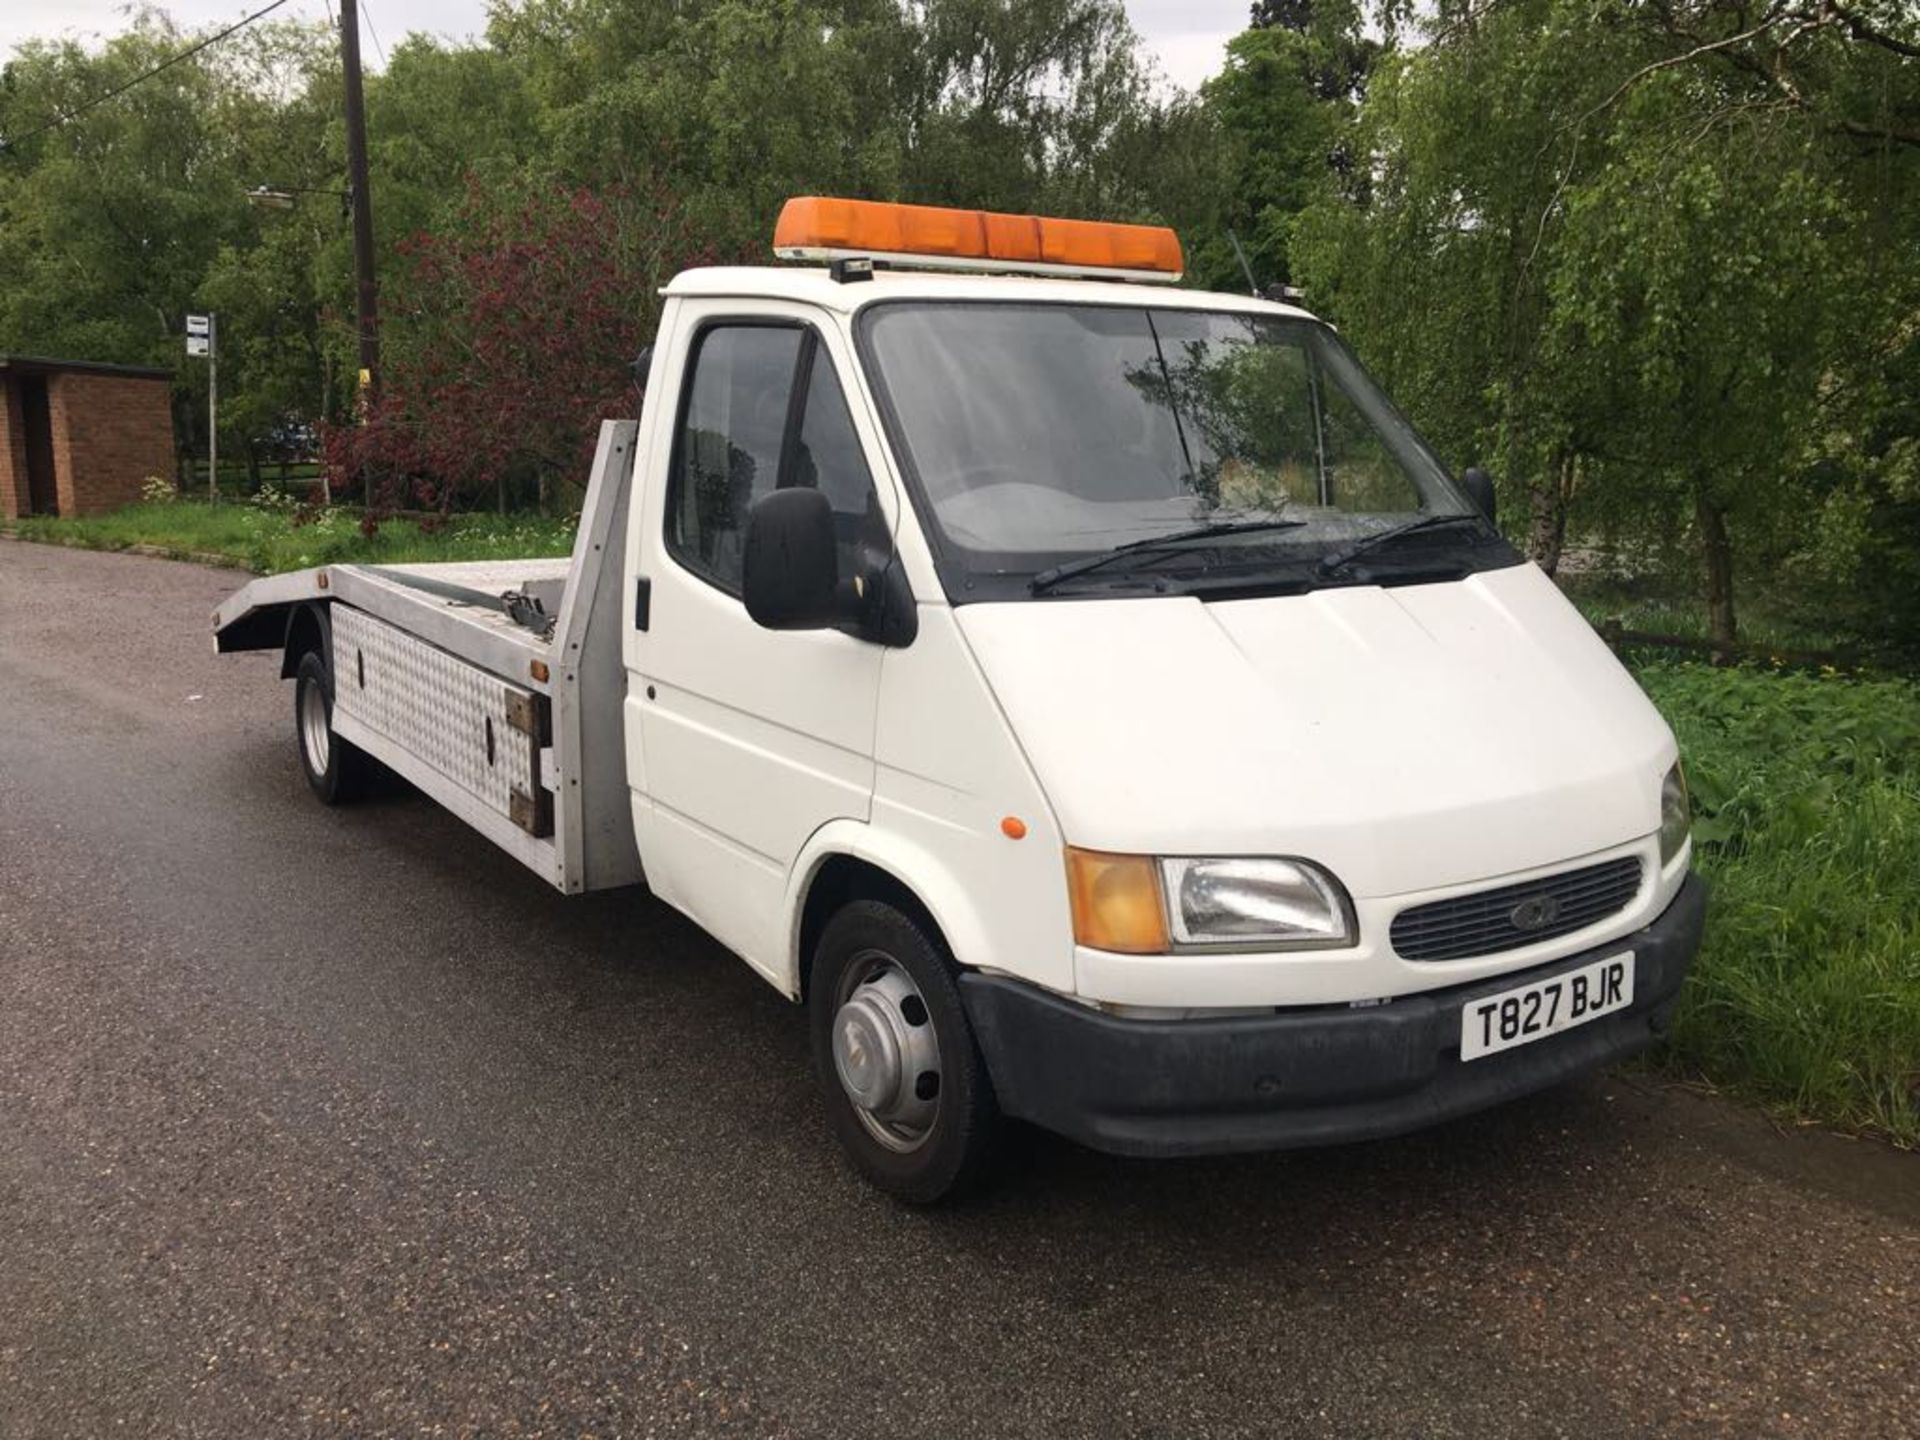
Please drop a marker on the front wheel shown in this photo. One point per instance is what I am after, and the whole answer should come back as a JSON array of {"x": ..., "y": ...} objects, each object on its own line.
[
  {"x": 337, "y": 771},
  {"x": 906, "y": 1089}
]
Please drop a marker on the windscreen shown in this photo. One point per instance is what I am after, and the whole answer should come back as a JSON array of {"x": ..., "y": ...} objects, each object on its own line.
[{"x": 1039, "y": 433}]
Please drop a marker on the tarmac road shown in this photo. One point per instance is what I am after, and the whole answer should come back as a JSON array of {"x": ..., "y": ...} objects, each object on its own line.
[{"x": 338, "y": 1122}]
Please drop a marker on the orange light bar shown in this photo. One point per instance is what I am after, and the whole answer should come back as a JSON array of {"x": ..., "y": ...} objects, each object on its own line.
[{"x": 815, "y": 228}]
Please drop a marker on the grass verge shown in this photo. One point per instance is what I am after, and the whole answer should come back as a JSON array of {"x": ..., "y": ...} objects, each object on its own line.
[
  {"x": 1806, "y": 791},
  {"x": 268, "y": 540}
]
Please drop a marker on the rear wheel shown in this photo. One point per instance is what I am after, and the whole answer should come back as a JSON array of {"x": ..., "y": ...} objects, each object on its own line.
[
  {"x": 906, "y": 1090},
  {"x": 337, "y": 771}
]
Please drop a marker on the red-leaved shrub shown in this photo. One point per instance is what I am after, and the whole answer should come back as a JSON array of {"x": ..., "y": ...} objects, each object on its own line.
[{"x": 510, "y": 335}]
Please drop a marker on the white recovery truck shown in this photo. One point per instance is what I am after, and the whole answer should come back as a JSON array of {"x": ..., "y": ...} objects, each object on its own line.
[{"x": 1090, "y": 698}]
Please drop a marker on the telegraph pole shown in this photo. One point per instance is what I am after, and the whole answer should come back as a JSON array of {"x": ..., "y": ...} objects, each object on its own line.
[{"x": 366, "y": 303}]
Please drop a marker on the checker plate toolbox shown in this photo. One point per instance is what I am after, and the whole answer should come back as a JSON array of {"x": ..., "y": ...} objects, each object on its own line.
[{"x": 471, "y": 726}]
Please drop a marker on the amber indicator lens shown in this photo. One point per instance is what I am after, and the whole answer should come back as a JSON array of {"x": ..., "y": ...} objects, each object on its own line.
[{"x": 1117, "y": 902}]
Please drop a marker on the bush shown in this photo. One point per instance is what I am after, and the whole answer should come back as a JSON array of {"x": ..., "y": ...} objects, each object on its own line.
[
  {"x": 1807, "y": 823},
  {"x": 528, "y": 310}
]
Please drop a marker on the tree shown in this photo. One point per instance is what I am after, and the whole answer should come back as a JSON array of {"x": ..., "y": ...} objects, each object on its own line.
[
  {"x": 1646, "y": 256},
  {"x": 1710, "y": 275},
  {"x": 108, "y": 221},
  {"x": 519, "y": 320},
  {"x": 1441, "y": 268},
  {"x": 1344, "y": 53},
  {"x": 738, "y": 104},
  {"x": 1283, "y": 109},
  {"x": 112, "y": 223}
]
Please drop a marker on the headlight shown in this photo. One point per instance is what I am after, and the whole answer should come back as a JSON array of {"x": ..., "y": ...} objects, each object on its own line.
[
  {"x": 1676, "y": 813},
  {"x": 1280, "y": 903},
  {"x": 1139, "y": 905}
]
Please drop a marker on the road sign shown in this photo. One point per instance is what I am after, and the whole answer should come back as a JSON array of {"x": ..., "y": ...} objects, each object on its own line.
[{"x": 201, "y": 342}]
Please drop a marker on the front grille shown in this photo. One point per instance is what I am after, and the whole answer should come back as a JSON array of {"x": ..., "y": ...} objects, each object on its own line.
[{"x": 1489, "y": 921}]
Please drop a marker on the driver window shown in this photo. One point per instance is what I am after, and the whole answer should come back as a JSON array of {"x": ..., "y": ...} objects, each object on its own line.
[
  {"x": 741, "y": 437},
  {"x": 728, "y": 453}
]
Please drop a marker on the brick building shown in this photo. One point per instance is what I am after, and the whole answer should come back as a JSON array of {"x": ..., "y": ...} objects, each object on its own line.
[{"x": 77, "y": 438}]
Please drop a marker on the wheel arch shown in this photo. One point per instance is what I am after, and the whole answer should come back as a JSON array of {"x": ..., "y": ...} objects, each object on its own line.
[
  {"x": 309, "y": 627},
  {"x": 849, "y": 861}
]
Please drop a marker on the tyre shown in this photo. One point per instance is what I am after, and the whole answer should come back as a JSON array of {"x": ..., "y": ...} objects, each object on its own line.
[
  {"x": 905, "y": 1087},
  {"x": 337, "y": 771}
]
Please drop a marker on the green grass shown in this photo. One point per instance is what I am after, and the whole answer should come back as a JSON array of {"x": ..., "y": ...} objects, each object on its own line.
[
  {"x": 1806, "y": 790},
  {"x": 1762, "y": 625},
  {"x": 268, "y": 541}
]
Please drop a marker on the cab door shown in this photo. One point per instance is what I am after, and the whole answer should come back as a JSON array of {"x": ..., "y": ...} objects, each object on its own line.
[{"x": 750, "y": 739}]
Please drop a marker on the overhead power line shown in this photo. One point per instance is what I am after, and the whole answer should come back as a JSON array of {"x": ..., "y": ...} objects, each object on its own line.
[
  {"x": 119, "y": 90},
  {"x": 379, "y": 49}
]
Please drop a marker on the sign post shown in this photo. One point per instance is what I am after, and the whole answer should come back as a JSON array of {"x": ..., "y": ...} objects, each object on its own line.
[{"x": 203, "y": 339}]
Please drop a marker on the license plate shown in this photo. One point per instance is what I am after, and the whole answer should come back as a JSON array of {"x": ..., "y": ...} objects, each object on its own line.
[{"x": 1546, "y": 1007}]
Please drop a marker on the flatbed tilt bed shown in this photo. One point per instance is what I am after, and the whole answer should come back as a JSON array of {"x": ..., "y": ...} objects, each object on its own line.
[{"x": 513, "y": 723}]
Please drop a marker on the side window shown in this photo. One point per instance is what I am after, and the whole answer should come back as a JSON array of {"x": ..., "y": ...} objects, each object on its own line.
[
  {"x": 741, "y": 436},
  {"x": 728, "y": 450}
]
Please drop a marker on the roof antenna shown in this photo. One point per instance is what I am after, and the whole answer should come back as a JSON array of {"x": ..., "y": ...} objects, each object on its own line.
[
  {"x": 1245, "y": 268},
  {"x": 1285, "y": 294}
]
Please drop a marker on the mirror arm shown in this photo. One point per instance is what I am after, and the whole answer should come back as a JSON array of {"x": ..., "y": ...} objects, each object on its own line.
[
  {"x": 1479, "y": 487},
  {"x": 895, "y": 618},
  {"x": 882, "y": 610}
]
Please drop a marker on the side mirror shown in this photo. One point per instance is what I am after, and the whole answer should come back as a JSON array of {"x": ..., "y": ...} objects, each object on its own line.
[
  {"x": 1479, "y": 487},
  {"x": 790, "y": 572}
]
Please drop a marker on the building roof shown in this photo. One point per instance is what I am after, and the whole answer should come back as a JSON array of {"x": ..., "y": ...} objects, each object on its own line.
[{"x": 45, "y": 365}]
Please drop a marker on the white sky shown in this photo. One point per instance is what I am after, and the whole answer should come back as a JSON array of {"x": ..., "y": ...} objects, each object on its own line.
[{"x": 1185, "y": 36}]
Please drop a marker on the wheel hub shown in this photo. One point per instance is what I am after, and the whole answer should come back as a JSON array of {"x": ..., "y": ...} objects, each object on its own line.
[
  {"x": 887, "y": 1057},
  {"x": 315, "y": 733}
]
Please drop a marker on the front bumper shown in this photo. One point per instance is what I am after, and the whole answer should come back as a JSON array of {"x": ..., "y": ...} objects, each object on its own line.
[{"x": 1314, "y": 1076}]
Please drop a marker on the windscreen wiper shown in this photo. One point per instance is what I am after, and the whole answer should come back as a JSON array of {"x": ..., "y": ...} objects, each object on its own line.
[
  {"x": 1047, "y": 579},
  {"x": 1348, "y": 554}
]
